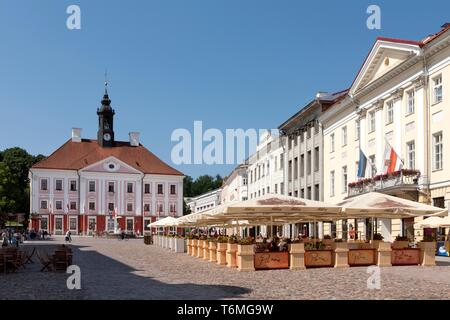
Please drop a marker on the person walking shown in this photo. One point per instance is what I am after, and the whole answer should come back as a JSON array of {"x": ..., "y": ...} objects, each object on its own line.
[{"x": 68, "y": 236}]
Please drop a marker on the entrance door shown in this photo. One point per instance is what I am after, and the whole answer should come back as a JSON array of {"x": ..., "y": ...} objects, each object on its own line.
[
  {"x": 44, "y": 224},
  {"x": 73, "y": 224},
  {"x": 130, "y": 225},
  {"x": 91, "y": 225},
  {"x": 59, "y": 225},
  {"x": 110, "y": 225}
]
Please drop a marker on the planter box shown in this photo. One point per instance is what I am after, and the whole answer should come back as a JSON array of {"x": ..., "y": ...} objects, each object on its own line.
[
  {"x": 400, "y": 244},
  {"x": 328, "y": 243},
  {"x": 384, "y": 254},
  {"x": 271, "y": 260},
  {"x": 340, "y": 256},
  {"x": 405, "y": 256},
  {"x": 296, "y": 256},
  {"x": 206, "y": 250},
  {"x": 362, "y": 257},
  {"x": 179, "y": 245},
  {"x": 231, "y": 255},
  {"x": 374, "y": 243},
  {"x": 171, "y": 243},
  {"x": 221, "y": 253},
  {"x": 427, "y": 253},
  {"x": 318, "y": 258},
  {"x": 245, "y": 254},
  {"x": 189, "y": 246},
  {"x": 194, "y": 247},
  {"x": 212, "y": 251},
  {"x": 200, "y": 248}
]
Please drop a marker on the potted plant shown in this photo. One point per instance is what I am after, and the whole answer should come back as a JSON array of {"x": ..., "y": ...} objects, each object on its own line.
[
  {"x": 245, "y": 254},
  {"x": 377, "y": 238},
  {"x": 221, "y": 255},
  {"x": 327, "y": 240},
  {"x": 400, "y": 242},
  {"x": 231, "y": 251}
]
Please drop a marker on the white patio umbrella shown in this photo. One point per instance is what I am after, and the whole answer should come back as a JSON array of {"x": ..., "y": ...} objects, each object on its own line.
[
  {"x": 431, "y": 222},
  {"x": 375, "y": 204},
  {"x": 165, "y": 222}
]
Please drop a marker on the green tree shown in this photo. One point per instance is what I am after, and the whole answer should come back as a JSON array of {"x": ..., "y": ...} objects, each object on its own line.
[{"x": 15, "y": 164}]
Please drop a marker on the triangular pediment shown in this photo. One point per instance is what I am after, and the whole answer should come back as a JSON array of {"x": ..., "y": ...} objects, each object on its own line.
[
  {"x": 385, "y": 56},
  {"x": 111, "y": 165}
]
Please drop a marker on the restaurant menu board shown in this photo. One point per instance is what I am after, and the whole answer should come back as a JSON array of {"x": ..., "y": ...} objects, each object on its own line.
[{"x": 442, "y": 248}]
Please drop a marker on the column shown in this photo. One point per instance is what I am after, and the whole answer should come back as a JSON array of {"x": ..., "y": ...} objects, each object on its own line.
[{"x": 421, "y": 150}]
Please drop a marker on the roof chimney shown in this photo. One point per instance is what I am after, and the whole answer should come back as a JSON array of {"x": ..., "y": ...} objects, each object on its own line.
[
  {"x": 134, "y": 139},
  {"x": 76, "y": 134}
]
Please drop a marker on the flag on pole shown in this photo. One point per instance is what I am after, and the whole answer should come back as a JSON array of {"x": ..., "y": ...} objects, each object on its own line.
[
  {"x": 362, "y": 164},
  {"x": 392, "y": 161}
]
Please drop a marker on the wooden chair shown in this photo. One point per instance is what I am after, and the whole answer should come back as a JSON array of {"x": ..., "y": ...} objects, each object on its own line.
[
  {"x": 60, "y": 260},
  {"x": 29, "y": 256},
  {"x": 45, "y": 261}
]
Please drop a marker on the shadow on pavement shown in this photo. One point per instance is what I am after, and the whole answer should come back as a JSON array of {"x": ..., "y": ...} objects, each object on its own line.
[{"x": 105, "y": 278}]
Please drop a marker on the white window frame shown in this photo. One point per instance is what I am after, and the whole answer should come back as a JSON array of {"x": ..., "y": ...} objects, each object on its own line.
[
  {"x": 40, "y": 184},
  {"x": 332, "y": 142},
  {"x": 332, "y": 183},
  {"x": 344, "y": 135},
  {"x": 410, "y": 102},
  {"x": 438, "y": 162},
  {"x": 357, "y": 129},
  {"x": 344, "y": 179},
  {"x": 437, "y": 85},
  {"x": 411, "y": 154},
  {"x": 389, "y": 112},
  {"x": 372, "y": 121},
  {"x": 46, "y": 204},
  {"x": 89, "y": 186}
]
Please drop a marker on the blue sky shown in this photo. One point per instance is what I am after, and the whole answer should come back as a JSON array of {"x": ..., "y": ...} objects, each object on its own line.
[{"x": 230, "y": 63}]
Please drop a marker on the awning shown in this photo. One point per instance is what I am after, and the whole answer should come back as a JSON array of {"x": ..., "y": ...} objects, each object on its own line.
[{"x": 433, "y": 222}]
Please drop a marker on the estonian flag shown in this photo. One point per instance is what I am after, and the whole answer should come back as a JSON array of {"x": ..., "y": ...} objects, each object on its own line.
[{"x": 362, "y": 164}]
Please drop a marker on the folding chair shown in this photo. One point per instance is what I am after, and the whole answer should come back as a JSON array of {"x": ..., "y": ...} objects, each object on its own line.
[
  {"x": 46, "y": 263},
  {"x": 29, "y": 256}
]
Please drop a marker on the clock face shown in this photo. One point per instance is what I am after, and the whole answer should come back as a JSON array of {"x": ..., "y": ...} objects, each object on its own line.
[{"x": 107, "y": 136}]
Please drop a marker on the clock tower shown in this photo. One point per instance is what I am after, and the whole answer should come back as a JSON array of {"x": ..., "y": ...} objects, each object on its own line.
[{"x": 105, "y": 135}]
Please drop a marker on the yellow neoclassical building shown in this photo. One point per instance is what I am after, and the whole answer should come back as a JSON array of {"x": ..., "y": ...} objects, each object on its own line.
[{"x": 400, "y": 98}]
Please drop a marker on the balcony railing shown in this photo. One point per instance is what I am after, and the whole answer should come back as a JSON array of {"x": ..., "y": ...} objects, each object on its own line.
[{"x": 397, "y": 179}]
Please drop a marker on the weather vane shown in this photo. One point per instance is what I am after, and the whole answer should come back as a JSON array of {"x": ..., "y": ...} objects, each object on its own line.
[{"x": 106, "y": 81}]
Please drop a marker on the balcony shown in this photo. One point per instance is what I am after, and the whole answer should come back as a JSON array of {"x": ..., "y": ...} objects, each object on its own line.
[{"x": 405, "y": 180}]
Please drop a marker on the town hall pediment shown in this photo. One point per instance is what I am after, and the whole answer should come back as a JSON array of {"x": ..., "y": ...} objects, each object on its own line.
[
  {"x": 385, "y": 56},
  {"x": 111, "y": 165}
]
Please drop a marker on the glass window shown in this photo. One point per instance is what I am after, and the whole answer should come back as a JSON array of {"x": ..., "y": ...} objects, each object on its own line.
[
  {"x": 91, "y": 186},
  {"x": 357, "y": 129},
  {"x": 73, "y": 205},
  {"x": 437, "y": 89},
  {"x": 411, "y": 154},
  {"x": 332, "y": 142},
  {"x": 371, "y": 121},
  {"x": 111, "y": 207},
  {"x": 147, "y": 188},
  {"x": 92, "y": 206},
  {"x": 332, "y": 183},
  {"x": 316, "y": 159},
  {"x": 437, "y": 151},
  {"x": 373, "y": 166},
  {"x": 58, "y": 185},
  {"x": 44, "y": 204},
  {"x": 344, "y": 135},
  {"x": 73, "y": 223},
  {"x": 110, "y": 186},
  {"x": 146, "y": 207},
  {"x": 172, "y": 189},
  {"x": 129, "y": 207},
  {"x": 410, "y": 102},
  {"x": 58, "y": 205},
  {"x": 389, "y": 112},
  {"x": 160, "y": 188},
  {"x": 44, "y": 184},
  {"x": 344, "y": 179},
  {"x": 73, "y": 185},
  {"x": 129, "y": 187}
]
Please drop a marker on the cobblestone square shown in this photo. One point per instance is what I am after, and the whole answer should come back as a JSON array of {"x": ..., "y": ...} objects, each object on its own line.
[{"x": 129, "y": 269}]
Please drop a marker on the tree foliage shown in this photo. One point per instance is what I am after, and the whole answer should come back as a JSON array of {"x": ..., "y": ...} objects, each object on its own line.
[
  {"x": 201, "y": 185},
  {"x": 14, "y": 184}
]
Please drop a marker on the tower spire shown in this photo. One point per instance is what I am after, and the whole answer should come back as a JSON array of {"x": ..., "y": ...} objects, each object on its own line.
[{"x": 106, "y": 81}]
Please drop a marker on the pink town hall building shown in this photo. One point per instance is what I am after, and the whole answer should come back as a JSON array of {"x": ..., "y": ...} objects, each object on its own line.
[{"x": 103, "y": 185}]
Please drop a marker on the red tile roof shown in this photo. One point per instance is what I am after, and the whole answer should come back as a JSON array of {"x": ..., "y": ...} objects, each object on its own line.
[{"x": 78, "y": 155}]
